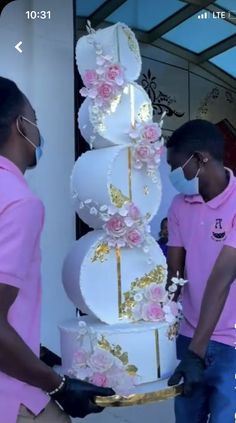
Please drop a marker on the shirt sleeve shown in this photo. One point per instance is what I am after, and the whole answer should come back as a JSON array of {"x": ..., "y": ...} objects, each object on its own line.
[
  {"x": 174, "y": 230},
  {"x": 20, "y": 229},
  {"x": 231, "y": 238}
]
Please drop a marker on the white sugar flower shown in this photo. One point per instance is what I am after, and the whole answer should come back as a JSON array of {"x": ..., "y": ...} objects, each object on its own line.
[
  {"x": 172, "y": 288},
  {"x": 138, "y": 297},
  {"x": 93, "y": 211},
  {"x": 103, "y": 208}
]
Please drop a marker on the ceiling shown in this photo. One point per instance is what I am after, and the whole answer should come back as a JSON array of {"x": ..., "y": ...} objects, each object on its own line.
[{"x": 175, "y": 26}]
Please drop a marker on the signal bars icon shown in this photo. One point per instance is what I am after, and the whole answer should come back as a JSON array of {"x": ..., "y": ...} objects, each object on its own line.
[{"x": 203, "y": 15}]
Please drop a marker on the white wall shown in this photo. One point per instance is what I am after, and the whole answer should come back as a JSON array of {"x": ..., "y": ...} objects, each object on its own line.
[{"x": 44, "y": 71}]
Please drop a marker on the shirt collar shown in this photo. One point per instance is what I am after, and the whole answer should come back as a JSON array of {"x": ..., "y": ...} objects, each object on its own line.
[
  {"x": 11, "y": 167},
  {"x": 219, "y": 199}
]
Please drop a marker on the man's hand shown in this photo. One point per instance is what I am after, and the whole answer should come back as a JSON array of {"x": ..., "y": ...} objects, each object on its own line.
[
  {"x": 77, "y": 397},
  {"x": 191, "y": 369}
]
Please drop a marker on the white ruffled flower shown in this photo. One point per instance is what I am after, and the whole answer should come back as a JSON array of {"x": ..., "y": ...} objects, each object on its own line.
[
  {"x": 138, "y": 297},
  {"x": 93, "y": 211}
]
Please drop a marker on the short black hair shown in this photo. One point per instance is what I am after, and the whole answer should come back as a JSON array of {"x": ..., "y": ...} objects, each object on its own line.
[
  {"x": 12, "y": 102},
  {"x": 199, "y": 135}
]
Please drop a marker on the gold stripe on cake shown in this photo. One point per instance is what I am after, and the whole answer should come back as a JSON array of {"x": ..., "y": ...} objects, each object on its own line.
[
  {"x": 130, "y": 173},
  {"x": 157, "y": 354},
  {"x": 118, "y": 269}
]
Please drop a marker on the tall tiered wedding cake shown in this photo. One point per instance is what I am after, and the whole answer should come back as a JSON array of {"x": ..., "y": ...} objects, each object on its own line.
[{"x": 116, "y": 274}]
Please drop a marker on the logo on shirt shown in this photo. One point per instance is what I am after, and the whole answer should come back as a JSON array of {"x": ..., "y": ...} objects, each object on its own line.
[{"x": 218, "y": 231}]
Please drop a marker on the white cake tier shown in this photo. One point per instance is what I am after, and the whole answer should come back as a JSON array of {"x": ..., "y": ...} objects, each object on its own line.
[
  {"x": 96, "y": 276},
  {"x": 107, "y": 177},
  {"x": 133, "y": 105},
  {"x": 117, "y": 41},
  {"x": 147, "y": 345}
]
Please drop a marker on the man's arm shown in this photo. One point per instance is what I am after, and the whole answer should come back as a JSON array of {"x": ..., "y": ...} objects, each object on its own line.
[
  {"x": 191, "y": 368},
  {"x": 215, "y": 296},
  {"x": 16, "y": 358}
]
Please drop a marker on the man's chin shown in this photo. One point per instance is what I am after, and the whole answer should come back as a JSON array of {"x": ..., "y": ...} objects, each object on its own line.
[{"x": 32, "y": 166}]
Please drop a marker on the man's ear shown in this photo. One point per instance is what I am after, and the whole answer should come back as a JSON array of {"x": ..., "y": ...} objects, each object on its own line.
[
  {"x": 20, "y": 124},
  {"x": 201, "y": 158}
]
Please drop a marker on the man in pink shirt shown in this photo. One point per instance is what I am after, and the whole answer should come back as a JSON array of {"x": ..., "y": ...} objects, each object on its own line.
[
  {"x": 202, "y": 247},
  {"x": 28, "y": 387}
]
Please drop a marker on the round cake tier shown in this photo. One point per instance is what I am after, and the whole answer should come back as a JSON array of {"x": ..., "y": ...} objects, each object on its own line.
[
  {"x": 100, "y": 280},
  {"x": 147, "y": 347},
  {"x": 113, "y": 128},
  {"x": 117, "y": 41},
  {"x": 107, "y": 177}
]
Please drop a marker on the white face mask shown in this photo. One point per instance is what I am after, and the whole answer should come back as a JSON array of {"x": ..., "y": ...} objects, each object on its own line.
[{"x": 183, "y": 185}]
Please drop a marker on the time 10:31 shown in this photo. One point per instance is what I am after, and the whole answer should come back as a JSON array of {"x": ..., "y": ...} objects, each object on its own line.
[{"x": 42, "y": 14}]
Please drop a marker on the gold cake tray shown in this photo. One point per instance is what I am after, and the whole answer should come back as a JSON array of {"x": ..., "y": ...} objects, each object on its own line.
[{"x": 139, "y": 398}]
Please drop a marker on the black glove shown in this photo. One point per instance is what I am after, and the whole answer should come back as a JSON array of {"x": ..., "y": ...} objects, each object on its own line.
[
  {"x": 77, "y": 397},
  {"x": 191, "y": 368}
]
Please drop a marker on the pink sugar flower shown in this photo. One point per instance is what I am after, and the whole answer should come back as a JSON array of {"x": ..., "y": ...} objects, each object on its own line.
[
  {"x": 152, "y": 312},
  {"x": 90, "y": 77},
  {"x": 115, "y": 73},
  {"x": 98, "y": 379},
  {"x": 115, "y": 226},
  {"x": 155, "y": 293},
  {"x": 151, "y": 132},
  {"x": 134, "y": 238}
]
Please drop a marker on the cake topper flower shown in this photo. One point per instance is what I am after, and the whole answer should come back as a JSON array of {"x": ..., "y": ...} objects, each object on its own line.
[{"x": 103, "y": 85}]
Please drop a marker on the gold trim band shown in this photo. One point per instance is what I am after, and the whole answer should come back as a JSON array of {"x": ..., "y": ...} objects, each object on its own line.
[
  {"x": 118, "y": 269},
  {"x": 139, "y": 399}
]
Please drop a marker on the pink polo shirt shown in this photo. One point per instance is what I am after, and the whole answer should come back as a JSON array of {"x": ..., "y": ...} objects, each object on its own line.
[
  {"x": 21, "y": 223},
  {"x": 203, "y": 228}
]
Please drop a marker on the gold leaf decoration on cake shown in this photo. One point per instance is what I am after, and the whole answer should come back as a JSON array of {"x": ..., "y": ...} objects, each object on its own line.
[
  {"x": 116, "y": 350},
  {"x": 146, "y": 190},
  {"x": 132, "y": 43},
  {"x": 132, "y": 370},
  {"x": 117, "y": 198},
  {"x": 100, "y": 253},
  {"x": 173, "y": 331},
  {"x": 114, "y": 103},
  {"x": 144, "y": 113},
  {"x": 156, "y": 275}
]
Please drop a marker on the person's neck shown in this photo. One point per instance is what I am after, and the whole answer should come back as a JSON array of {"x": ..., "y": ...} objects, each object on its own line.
[
  {"x": 13, "y": 159},
  {"x": 215, "y": 185}
]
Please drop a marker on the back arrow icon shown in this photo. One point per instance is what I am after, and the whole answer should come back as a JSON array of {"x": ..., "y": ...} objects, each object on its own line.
[{"x": 17, "y": 47}]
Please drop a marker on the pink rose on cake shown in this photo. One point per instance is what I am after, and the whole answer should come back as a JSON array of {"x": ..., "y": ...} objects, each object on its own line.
[
  {"x": 115, "y": 73},
  {"x": 90, "y": 77},
  {"x": 143, "y": 153},
  {"x": 101, "y": 360},
  {"x": 152, "y": 312},
  {"x": 151, "y": 132},
  {"x": 106, "y": 91},
  {"x": 155, "y": 293},
  {"x": 81, "y": 357},
  {"x": 115, "y": 227},
  {"x": 171, "y": 311},
  {"x": 134, "y": 238},
  {"x": 99, "y": 379},
  {"x": 134, "y": 212}
]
